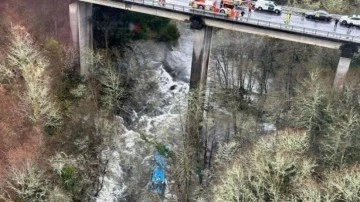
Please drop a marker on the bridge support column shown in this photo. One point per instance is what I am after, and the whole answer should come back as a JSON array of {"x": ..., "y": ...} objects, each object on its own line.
[
  {"x": 200, "y": 58},
  {"x": 81, "y": 31},
  {"x": 347, "y": 52},
  {"x": 198, "y": 77}
]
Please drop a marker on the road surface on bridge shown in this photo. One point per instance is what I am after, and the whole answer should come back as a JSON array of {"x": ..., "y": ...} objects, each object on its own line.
[{"x": 296, "y": 20}]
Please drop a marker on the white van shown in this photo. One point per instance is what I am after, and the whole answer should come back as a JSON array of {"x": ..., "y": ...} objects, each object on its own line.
[{"x": 270, "y": 6}]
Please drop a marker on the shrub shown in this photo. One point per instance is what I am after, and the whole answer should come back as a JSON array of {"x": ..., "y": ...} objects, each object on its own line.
[
  {"x": 68, "y": 176},
  {"x": 50, "y": 129},
  {"x": 6, "y": 73},
  {"x": 162, "y": 149},
  {"x": 58, "y": 195},
  {"x": 169, "y": 33},
  {"x": 66, "y": 168}
]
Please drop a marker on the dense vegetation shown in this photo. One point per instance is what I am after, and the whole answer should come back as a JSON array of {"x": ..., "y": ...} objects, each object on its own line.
[
  {"x": 114, "y": 28},
  {"x": 312, "y": 156}
]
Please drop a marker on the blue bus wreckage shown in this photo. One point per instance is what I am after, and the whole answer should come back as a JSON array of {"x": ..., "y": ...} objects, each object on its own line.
[{"x": 158, "y": 178}]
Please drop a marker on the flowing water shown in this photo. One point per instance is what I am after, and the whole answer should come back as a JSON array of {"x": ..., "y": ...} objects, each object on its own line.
[{"x": 172, "y": 67}]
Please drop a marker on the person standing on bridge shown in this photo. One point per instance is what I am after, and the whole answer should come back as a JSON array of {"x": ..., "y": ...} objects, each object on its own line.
[
  {"x": 336, "y": 23},
  {"x": 349, "y": 28},
  {"x": 249, "y": 7},
  {"x": 232, "y": 14},
  {"x": 290, "y": 15},
  {"x": 242, "y": 14},
  {"x": 162, "y": 3},
  {"x": 215, "y": 7},
  {"x": 303, "y": 16},
  {"x": 288, "y": 18},
  {"x": 237, "y": 14}
]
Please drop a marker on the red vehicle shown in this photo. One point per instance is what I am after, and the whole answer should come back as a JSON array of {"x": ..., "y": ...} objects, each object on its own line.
[
  {"x": 240, "y": 5},
  {"x": 202, "y": 4}
]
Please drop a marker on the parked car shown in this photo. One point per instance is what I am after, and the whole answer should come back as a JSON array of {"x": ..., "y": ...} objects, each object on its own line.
[
  {"x": 318, "y": 15},
  {"x": 353, "y": 20}
]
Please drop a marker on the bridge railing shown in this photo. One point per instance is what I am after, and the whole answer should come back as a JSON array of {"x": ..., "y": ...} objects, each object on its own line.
[
  {"x": 248, "y": 20},
  {"x": 300, "y": 11},
  {"x": 297, "y": 29}
]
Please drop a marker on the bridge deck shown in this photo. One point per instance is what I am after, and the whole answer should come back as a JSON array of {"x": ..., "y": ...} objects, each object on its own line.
[{"x": 254, "y": 26}]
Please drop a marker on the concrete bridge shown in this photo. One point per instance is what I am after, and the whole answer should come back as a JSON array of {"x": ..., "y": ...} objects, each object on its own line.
[{"x": 81, "y": 13}]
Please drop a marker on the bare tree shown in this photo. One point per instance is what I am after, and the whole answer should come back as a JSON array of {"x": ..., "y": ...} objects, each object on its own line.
[
  {"x": 233, "y": 79},
  {"x": 30, "y": 63},
  {"x": 113, "y": 88},
  {"x": 27, "y": 183}
]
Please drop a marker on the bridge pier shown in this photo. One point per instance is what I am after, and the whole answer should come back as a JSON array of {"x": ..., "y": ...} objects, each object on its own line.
[
  {"x": 81, "y": 31},
  {"x": 347, "y": 52},
  {"x": 195, "y": 111},
  {"x": 198, "y": 77},
  {"x": 200, "y": 58}
]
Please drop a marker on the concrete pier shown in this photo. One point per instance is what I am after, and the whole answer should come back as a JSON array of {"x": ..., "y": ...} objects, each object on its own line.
[
  {"x": 195, "y": 110},
  {"x": 347, "y": 52},
  {"x": 200, "y": 58},
  {"x": 81, "y": 31},
  {"x": 341, "y": 71}
]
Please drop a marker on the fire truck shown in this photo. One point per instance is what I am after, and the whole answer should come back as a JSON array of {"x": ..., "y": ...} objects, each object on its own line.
[
  {"x": 202, "y": 4},
  {"x": 227, "y": 5}
]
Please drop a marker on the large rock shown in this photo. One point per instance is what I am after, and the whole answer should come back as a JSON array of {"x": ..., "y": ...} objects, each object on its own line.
[
  {"x": 150, "y": 51},
  {"x": 174, "y": 57},
  {"x": 178, "y": 60}
]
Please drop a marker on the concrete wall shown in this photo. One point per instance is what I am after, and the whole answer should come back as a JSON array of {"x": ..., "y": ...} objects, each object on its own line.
[{"x": 81, "y": 31}]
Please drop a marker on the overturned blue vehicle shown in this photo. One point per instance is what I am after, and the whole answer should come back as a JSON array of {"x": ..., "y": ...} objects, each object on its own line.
[{"x": 158, "y": 178}]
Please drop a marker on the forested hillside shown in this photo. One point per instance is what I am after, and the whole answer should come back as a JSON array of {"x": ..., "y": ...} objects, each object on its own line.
[{"x": 273, "y": 128}]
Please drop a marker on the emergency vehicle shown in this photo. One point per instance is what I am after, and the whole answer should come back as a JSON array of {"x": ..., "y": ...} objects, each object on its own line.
[
  {"x": 202, "y": 4},
  {"x": 240, "y": 5}
]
